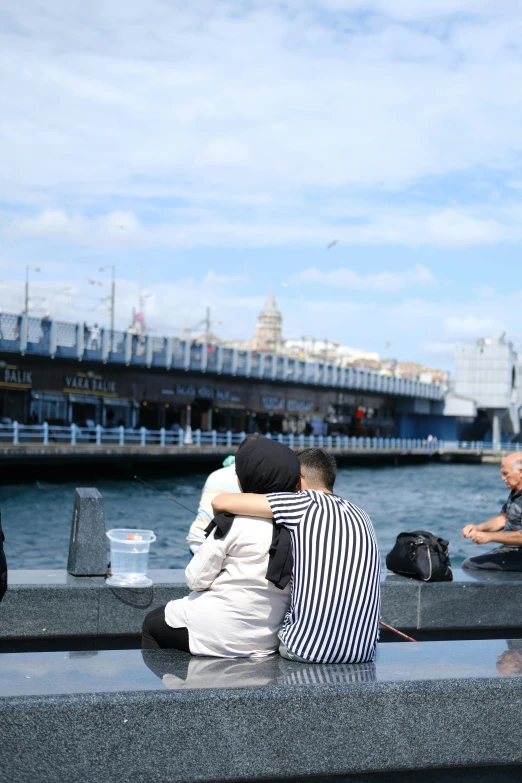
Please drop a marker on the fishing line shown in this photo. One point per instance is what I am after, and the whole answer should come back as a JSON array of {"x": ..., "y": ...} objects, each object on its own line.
[
  {"x": 169, "y": 497},
  {"x": 399, "y": 633}
]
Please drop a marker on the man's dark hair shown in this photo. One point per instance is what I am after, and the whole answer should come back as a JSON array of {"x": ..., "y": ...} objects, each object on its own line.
[{"x": 318, "y": 467}]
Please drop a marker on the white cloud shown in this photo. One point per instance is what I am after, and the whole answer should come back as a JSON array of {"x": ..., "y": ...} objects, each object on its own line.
[
  {"x": 51, "y": 223},
  {"x": 451, "y": 227},
  {"x": 57, "y": 224},
  {"x": 469, "y": 326},
  {"x": 262, "y": 225},
  {"x": 408, "y": 11},
  {"x": 228, "y": 151},
  {"x": 212, "y": 279},
  {"x": 484, "y": 291},
  {"x": 440, "y": 350},
  {"x": 389, "y": 282},
  {"x": 263, "y": 98}
]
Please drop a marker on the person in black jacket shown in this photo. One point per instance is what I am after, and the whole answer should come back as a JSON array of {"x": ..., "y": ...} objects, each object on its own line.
[{"x": 3, "y": 564}]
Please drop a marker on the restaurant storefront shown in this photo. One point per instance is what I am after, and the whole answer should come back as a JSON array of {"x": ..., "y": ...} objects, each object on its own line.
[
  {"x": 60, "y": 392},
  {"x": 15, "y": 390}
]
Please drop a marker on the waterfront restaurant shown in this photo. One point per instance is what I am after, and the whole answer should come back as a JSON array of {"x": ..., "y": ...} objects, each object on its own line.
[{"x": 34, "y": 390}]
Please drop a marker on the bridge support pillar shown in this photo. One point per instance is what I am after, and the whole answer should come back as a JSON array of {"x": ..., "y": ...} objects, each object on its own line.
[
  {"x": 187, "y": 440},
  {"x": 496, "y": 426}
]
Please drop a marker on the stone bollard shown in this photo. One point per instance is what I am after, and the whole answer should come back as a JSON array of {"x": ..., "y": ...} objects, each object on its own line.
[{"x": 88, "y": 545}]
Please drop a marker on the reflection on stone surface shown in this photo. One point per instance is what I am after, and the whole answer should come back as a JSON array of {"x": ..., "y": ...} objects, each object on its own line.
[
  {"x": 26, "y": 674},
  {"x": 194, "y": 672},
  {"x": 462, "y": 575},
  {"x": 509, "y": 663}
]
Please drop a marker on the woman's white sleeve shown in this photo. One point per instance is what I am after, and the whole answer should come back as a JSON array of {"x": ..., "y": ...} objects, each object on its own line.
[{"x": 207, "y": 563}]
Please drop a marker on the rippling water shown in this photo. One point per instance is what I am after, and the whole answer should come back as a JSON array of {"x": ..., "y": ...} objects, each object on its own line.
[{"x": 440, "y": 498}]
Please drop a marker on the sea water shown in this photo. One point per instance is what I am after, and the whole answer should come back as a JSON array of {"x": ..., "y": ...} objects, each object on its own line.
[{"x": 437, "y": 497}]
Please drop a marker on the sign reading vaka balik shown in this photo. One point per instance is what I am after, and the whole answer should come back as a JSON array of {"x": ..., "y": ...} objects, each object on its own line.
[{"x": 95, "y": 384}]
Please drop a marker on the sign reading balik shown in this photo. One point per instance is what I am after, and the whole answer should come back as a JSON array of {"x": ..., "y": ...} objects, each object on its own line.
[{"x": 14, "y": 377}]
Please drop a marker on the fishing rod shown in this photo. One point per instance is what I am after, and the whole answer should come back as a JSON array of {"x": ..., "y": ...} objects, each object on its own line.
[
  {"x": 399, "y": 633},
  {"x": 169, "y": 497}
]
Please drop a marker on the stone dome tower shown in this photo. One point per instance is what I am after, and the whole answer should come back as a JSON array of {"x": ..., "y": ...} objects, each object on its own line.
[{"x": 268, "y": 334}]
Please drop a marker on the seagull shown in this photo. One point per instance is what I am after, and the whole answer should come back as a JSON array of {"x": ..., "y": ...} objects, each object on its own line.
[{"x": 332, "y": 244}]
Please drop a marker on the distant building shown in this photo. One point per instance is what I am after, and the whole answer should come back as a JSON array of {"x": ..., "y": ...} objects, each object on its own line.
[
  {"x": 342, "y": 355},
  {"x": 268, "y": 334},
  {"x": 413, "y": 371},
  {"x": 487, "y": 374}
]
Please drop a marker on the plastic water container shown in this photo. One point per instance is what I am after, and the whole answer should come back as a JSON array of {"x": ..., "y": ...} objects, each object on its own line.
[{"x": 129, "y": 557}]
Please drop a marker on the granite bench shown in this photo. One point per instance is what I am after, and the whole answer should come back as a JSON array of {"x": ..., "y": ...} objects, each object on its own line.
[
  {"x": 440, "y": 707},
  {"x": 44, "y": 608},
  {"x": 76, "y": 609}
]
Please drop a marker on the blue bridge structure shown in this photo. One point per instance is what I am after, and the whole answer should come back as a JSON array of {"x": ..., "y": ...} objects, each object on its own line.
[
  {"x": 31, "y": 336},
  {"x": 61, "y": 374}
]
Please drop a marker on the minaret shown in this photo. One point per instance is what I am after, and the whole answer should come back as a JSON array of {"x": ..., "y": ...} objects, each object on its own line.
[{"x": 268, "y": 334}]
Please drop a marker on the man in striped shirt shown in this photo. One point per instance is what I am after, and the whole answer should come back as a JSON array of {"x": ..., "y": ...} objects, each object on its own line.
[{"x": 335, "y": 605}]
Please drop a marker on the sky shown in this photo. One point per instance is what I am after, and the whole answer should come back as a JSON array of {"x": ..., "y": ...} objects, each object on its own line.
[{"x": 222, "y": 145}]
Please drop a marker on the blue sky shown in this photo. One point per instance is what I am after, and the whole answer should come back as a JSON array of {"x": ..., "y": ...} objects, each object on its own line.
[{"x": 234, "y": 140}]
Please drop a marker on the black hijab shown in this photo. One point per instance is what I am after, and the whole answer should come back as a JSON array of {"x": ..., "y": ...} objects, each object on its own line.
[{"x": 262, "y": 466}]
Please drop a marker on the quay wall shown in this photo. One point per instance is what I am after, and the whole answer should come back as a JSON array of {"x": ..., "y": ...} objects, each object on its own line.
[
  {"x": 41, "y": 608},
  {"x": 16, "y": 458}
]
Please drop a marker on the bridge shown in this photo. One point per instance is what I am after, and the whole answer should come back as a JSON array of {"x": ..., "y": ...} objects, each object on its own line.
[{"x": 31, "y": 336}]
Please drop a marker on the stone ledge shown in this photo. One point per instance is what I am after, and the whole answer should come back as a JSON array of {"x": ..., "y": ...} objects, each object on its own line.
[
  {"x": 52, "y": 604},
  {"x": 171, "y": 717}
]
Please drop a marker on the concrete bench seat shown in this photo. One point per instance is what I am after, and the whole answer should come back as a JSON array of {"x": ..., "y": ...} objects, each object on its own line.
[
  {"x": 51, "y": 605},
  {"x": 439, "y": 707}
]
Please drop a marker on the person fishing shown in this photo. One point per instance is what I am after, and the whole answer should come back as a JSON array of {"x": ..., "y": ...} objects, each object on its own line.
[
  {"x": 234, "y": 610},
  {"x": 222, "y": 480},
  {"x": 504, "y": 529}
]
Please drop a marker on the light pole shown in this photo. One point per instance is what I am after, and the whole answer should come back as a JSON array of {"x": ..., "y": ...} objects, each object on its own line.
[
  {"x": 112, "y": 267},
  {"x": 111, "y": 298},
  {"x": 27, "y": 268}
]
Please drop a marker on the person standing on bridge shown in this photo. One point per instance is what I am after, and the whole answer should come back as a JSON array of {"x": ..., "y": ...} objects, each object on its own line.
[{"x": 504, "y": 529}]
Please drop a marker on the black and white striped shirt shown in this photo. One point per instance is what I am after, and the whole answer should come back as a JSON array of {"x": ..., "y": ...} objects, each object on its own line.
[{"x": 335, "y": 605}]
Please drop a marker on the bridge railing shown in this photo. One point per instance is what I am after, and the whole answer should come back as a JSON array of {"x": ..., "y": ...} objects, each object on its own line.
[
  {"x": 49, "y": 434},
  {"x": 41, "y": 336}
]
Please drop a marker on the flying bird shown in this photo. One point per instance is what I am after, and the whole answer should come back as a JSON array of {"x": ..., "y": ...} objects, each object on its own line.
[{"x": 332, "y": 244}]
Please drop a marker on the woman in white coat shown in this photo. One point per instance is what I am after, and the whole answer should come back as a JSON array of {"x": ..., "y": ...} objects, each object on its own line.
[{"x": 233, "y": 611}]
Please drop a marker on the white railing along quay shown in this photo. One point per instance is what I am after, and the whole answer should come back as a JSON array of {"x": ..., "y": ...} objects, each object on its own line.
[{"x": 49, "y": 434}]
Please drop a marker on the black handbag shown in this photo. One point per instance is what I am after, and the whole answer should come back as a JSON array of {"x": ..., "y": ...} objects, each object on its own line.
[{"x": 420, "y": 555}]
